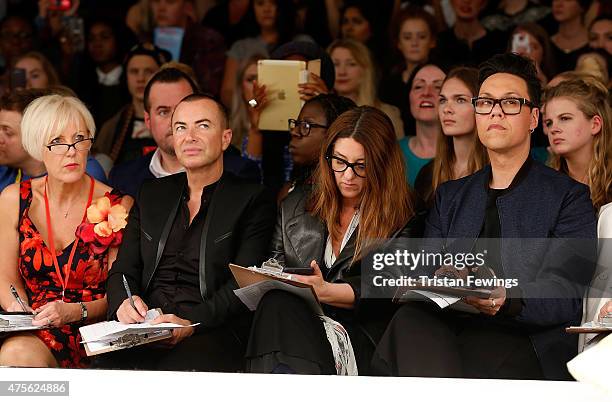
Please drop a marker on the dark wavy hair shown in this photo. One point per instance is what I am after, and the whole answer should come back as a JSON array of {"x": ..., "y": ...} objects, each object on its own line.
[{"x": 285, "y": 21}]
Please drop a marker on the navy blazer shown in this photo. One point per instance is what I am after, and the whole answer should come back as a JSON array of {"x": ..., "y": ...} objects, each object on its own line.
[
  {"x": 543, "y": 205},
  {"x": 129, "y": 176}
]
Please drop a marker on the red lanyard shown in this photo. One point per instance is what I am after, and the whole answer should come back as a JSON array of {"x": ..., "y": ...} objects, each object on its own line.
[{"x": 63, "y": 279}]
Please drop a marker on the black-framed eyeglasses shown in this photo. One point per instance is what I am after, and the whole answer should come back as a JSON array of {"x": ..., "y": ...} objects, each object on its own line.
[
  {"x": 339, "y": 165},
  {"x": 303, "y": 127},
  {"x": 509, "y": 106},
  {"x": 80, "y": 145}
]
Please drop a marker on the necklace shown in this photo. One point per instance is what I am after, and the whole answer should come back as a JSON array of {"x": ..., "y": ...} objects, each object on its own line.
[{"x": 63, "y": 279}]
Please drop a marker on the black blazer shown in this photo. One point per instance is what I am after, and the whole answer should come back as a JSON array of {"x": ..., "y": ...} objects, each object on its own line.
[{"x": 237, "y": 229}]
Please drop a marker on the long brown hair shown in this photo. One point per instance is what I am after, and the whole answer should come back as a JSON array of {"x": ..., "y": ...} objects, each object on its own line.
[
  {"x": 386, "y": 204},
  {"x": 591, "y": 97},
  {"x": 445, "y": 151}
]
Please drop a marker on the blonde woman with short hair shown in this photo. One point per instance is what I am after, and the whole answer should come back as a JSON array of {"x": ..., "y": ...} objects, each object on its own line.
[{"x": 59, "y": 237}]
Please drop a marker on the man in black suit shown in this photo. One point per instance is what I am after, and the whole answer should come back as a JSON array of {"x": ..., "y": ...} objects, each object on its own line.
[
  {"x": 163, "y": 92},
  {"x": 182, "y": 234}
]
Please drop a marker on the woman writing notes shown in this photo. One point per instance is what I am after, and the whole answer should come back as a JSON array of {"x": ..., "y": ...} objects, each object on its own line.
[
  {"x": 59, "y": 236},
  {"x": 360, "y": 193}
]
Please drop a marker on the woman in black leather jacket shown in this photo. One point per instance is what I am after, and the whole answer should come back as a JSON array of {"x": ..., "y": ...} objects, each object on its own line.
[{"x": 359, "y": 193}]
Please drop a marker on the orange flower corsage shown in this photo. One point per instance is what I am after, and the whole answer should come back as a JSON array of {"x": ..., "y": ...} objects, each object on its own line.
[{"x": 103, "y": 228}]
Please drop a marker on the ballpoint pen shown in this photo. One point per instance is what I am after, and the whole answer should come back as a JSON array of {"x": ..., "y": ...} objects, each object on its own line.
[
  {"x": 16, "y": 296},
  {"x": 129, "y": 293}
]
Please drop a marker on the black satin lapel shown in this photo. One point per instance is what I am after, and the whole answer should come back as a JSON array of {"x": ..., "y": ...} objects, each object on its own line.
[
  {"x": 174, "y": 202},
  {"x": 210, "y": 215}
]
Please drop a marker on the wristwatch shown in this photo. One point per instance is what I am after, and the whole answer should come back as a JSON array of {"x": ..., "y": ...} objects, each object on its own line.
[{"x": 83, "y": 312}]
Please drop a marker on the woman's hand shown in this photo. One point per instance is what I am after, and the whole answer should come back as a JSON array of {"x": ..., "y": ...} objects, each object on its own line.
[
  {"x": 605, "y": 310},
  {"x": 260, "y": 97},
  {"x": 315, "y": 280},
  {"x": 16, "y": 307},
  {"x": 312, "y": 88},
  {"x": 489, "y": 306},
  {"x": 57, "y": 314}
]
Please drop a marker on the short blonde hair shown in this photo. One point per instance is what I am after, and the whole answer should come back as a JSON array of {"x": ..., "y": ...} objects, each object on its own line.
[{"x": 46, "y": 117}]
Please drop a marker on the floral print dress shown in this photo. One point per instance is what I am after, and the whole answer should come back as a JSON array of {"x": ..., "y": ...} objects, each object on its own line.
[{"x": 86, "y": 283}]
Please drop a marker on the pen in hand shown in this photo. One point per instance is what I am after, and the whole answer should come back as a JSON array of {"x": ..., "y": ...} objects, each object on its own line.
[
  {"x": 16, "y": 296},
  {"x": 129, "y": 293}
]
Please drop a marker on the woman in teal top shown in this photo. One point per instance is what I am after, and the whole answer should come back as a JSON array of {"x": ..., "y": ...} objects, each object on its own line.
[{"x": 419, "y": 149}]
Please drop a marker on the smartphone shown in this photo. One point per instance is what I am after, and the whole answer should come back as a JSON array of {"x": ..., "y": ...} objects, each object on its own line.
[
  {"x": 298, "y": 270},
  {"x": 60, "y": 5},
  {"x": 520, "y": 43},
  {"x": 18, "y": 78}
]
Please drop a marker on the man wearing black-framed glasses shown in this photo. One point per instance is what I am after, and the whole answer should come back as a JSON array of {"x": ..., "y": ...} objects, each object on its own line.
[{"x": 526, "y": 219}]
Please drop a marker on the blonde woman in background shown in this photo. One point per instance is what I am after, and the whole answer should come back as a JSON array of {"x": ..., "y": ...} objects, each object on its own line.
[
  {"x": 39, "y": 71},
  {"x": 578, "y": 120},
  {"x": 355, "y": 79}
]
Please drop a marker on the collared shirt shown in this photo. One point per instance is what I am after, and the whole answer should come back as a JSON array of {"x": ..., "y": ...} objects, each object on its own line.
[
  {"x": 156, "y": 168},
  {"x": 175, "y": 287},
  {"x": 111, "y": 78}
]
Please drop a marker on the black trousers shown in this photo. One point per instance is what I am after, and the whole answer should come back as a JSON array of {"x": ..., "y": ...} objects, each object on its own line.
[
  {"x": 287, "y": 333},
  {"x": 423, "y": 341},
  {"x": 219, "y": 349}
]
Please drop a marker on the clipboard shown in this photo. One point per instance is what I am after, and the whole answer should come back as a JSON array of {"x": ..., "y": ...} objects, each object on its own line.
[
  {"x": 460, "y": 292},
  {"x": 17, "y": 321},
  {"x": 124, "y": 341},
  {"x": 251, "y": 276},
  {"x": 591, "y": 327}
]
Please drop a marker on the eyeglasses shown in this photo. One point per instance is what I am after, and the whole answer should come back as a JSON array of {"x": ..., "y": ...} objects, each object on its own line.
[
  {"x": 303, "y": 127},
  {"x": 80, "y": 145},
  {"x": 339, "y": 165},
  {"x": 508, "y": 105}
]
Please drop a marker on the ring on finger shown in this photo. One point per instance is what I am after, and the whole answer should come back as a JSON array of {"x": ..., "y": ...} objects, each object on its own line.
[{"x": 253, "y": 103}]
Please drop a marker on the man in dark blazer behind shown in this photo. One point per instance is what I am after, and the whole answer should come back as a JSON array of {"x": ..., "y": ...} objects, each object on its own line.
[
  {"x": 538, "y": 226},
  {"x": 180, "y": 238}
]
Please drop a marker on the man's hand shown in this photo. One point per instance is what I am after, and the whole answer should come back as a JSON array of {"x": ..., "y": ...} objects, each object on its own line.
[
  {"x": 489, "y": 306},
  {"x": 126, "y": 313},
  {"x": 178, "y": 334},
  {"x": 605, "y": 310}
]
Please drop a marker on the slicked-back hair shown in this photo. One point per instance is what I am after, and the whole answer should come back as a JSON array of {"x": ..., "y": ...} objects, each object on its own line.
[
  {"x": 166, "y": 75},
  {"x": 512, "y": 63},
  {"x": 202, "y": 96}
]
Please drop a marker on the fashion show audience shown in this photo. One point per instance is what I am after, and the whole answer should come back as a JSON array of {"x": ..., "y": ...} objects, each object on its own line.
[{"x": 426, "y": 123}]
